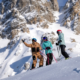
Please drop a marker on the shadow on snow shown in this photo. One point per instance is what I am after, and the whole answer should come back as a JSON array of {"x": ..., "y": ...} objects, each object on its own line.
[
  {"x": 76, "y": 70},
  {"x": 2, "y": 49},
  {"x": 18, "y": 65}
]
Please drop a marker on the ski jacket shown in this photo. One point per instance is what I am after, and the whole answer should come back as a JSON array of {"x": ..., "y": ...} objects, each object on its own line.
[
  {"x": 35, "y": 48},
  {"x": 45, "y": 45},
  {"x": 61, "y": 37}
]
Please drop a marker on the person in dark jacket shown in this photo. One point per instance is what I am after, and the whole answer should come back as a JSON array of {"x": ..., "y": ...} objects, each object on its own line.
[
  {"x": 61, "y": 43},
  {"x": 35, "y": 48},
  {"x": 47, "y": 46}
]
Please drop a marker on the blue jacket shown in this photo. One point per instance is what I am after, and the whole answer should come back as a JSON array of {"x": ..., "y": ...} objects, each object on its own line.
[
  {"x": 47, "y": 44},
  {"x": 61, "y": 37}
]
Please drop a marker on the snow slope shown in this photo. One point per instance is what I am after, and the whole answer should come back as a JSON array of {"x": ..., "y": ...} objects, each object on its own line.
[
  {"x": 63, "y": 70},
  {"x": 12, "y": 60}
]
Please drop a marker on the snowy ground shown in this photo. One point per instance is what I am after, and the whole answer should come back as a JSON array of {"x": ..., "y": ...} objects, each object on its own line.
[
  {"x": 12, "y": 60},
  {"x": 15, "y": 58},
  {"x": 63, "y": 70}
]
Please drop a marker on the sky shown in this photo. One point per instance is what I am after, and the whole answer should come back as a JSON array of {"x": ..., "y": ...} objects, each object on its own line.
[
  {"x": 61, "y": 2},
  {"x": 0, "y": 0}
]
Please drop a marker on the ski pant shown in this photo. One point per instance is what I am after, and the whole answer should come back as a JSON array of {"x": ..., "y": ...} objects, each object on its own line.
[
  {"x": 35, "y": 56},
  {"x": 63, "y": 51},
  {"x": 49, "y": 58}
]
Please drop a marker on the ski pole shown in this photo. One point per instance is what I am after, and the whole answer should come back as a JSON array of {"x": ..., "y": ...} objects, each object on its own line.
[
  {"x": 43, "y": 55},
  {"x": 54, "y": 58},
  {"x": 59, "y": 51},
  {"x": 47, "y": 56}
]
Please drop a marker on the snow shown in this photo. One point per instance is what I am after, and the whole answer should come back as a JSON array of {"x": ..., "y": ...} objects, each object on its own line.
[
  {"x": 15, "y": 58},
  {"x": 4, "y": 43},
  {"x": 12, "y": 60},
  {"x": 30, "y": 15},
  {"x": 63, "y": 70},
  {"x": 44, "y": 1}
]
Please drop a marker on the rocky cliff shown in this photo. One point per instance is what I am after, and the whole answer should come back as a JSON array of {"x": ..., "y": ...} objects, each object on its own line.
[
  {"x": 72, "y": 15},
  {"x": 15, "y": 15}
]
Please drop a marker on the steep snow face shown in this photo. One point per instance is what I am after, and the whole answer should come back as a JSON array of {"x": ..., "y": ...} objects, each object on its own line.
[
  {"x": 15, "y": 56},
  {"x": 63, "y": 70}
]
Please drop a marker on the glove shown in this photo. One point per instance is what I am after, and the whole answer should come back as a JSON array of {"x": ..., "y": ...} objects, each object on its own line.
[
  {"x": 57, "y": 43},
  {"x": 23, "y": 40},
  {"x": 47, "y": 48}
]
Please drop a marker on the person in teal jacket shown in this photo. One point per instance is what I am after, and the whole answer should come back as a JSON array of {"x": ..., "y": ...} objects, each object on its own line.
[
  {"x": 47, "y": 46},
  {"x": 61, "y": 39},
  {"x": 61, "y": 43}
]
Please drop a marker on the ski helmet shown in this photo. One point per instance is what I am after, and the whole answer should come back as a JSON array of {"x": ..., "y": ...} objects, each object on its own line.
[
  {"x": 34, "y": 39},
  {"x": 59, "y": 31},
  {"x": 45, "y": 38}
]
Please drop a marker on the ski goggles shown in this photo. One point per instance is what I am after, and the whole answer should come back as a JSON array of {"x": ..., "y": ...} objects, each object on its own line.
[{"x": 44, "y": 38}]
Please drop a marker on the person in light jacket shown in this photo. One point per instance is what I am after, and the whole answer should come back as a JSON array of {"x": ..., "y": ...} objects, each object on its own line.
[{"x": 61, "y": 43}]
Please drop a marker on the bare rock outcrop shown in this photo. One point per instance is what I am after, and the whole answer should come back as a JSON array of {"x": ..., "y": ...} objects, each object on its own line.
[
  {"x": 72, "y": 15},
  {"x": 17, "y": 23},
  {"x": 25, "y": 29},
  {"x": 14, "y": 32},
  {"x": 23, "y": 3},
  {"x": 9, "y": 4},
  {"x": 55, "y": 5},
  {"x": 1, "y": 8},
  {"x": 17, "y": 14},
  {"x": 49, "y": 17}
]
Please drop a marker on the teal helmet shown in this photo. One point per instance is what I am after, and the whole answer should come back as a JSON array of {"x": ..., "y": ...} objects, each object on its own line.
[{"x": 34, "y": 39}]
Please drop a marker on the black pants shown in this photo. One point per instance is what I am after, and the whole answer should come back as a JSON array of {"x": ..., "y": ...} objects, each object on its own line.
[
  {"x": 49, "y": 58},
  {"x": 63, "y": 51}
]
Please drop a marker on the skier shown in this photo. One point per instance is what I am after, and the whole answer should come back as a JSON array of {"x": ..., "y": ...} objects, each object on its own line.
[
  {"x": 35, "y": 47},
  {"x": 47, "y": 46},
  {"x": 61, "y": 43}
]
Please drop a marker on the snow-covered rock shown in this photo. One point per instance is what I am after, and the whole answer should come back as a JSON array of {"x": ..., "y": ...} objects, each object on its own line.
[
  {"x": 27, "y": 65},
  {"x": 71, "y": 17}
]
